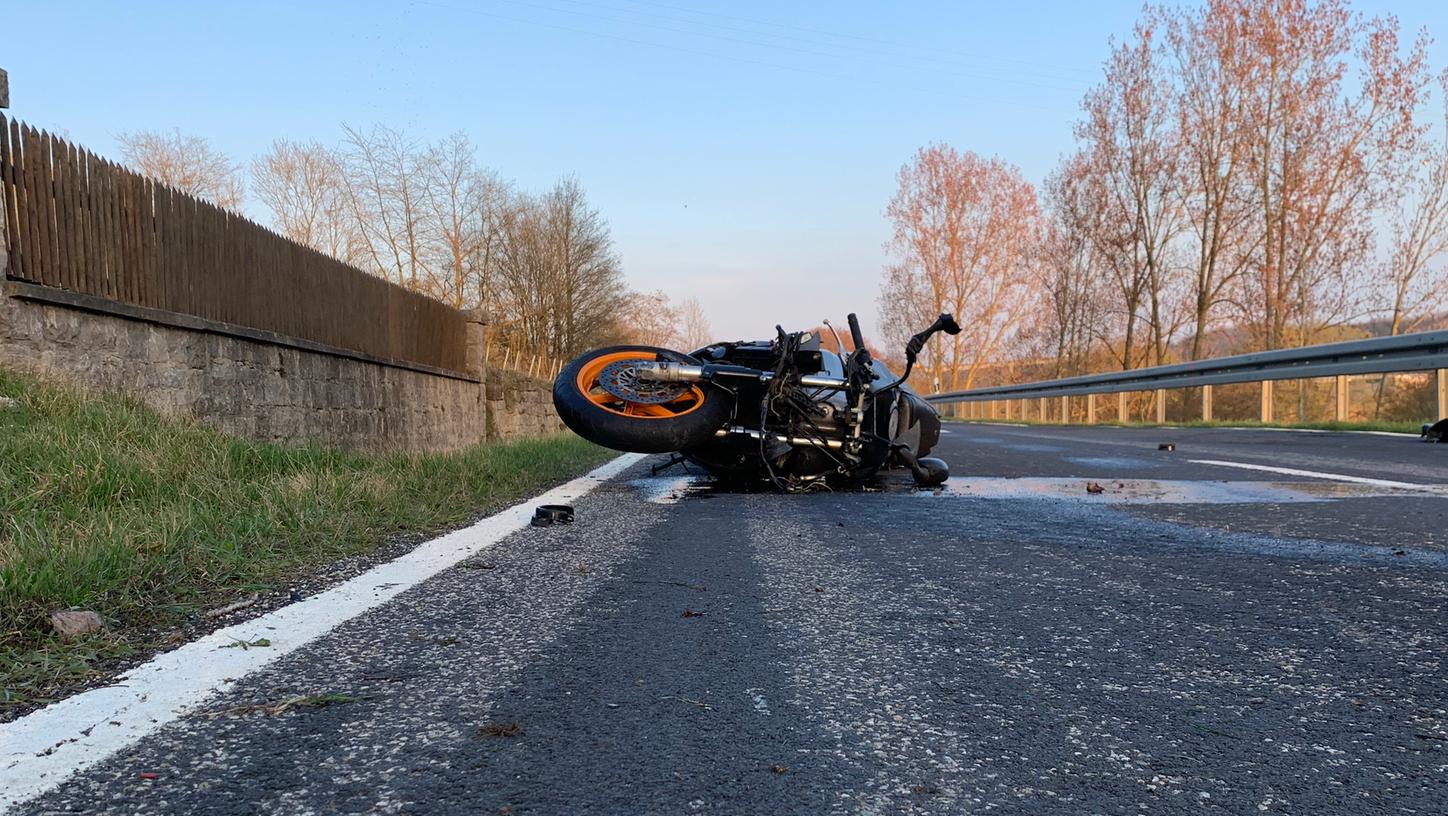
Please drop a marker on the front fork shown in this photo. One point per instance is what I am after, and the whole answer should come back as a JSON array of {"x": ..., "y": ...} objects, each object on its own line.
[{"x": 851, "y": 445}]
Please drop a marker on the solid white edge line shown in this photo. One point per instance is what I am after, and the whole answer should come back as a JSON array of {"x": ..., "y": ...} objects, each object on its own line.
[
  {"x": 41, "y": 750},
  {"x": 1313, "y": 474}
]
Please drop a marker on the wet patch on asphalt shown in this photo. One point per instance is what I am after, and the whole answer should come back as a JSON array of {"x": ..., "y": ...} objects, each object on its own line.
[
  {"x": 1112, "y": 462},
  {"x": 674, "y": 489}
]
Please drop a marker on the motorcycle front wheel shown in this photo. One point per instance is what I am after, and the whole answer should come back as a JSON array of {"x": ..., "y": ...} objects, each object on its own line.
[{"x": 600, "y": 397}]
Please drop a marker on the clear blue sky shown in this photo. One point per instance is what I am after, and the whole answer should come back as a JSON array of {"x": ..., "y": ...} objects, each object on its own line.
[{"x": 743, "y": 151}]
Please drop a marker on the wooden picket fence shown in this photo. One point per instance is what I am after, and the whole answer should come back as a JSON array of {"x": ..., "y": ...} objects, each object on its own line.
[
  {"x": 524, "y": 363},
  {"x": 76, "y": 222}
]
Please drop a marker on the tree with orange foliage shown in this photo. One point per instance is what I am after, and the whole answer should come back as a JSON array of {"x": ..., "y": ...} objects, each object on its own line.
[
  {"x": 967, "y": 238},
  {"x": 1073, "y": 278},
  {"x": 651, "y": 320},
  {"x": 1415, "y": 273},
  {"x": 1201, "y": 48},
  {"x": 1131, "y": 145},
  {"x": 1320, "y": 155}
]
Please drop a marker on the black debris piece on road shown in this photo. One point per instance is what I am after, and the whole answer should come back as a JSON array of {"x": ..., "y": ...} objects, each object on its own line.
[{"x": 549, "y": 514}]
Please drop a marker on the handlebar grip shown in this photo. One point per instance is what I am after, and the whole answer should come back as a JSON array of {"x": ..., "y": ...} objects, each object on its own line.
[{"x": 855, "y": 336}]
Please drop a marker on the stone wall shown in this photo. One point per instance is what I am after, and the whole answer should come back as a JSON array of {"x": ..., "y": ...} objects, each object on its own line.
[
  {"x": 266, "y": 391},
  {"x": 519, "y": 406}
]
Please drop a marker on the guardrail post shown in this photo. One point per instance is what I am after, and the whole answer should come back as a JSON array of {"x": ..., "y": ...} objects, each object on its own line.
[
  {"x": 1161, "y": 406},
  {"x": 1266, "y": 401},
  {"x": 1090, "y": 409},
  {"x": 1442, "y": 394},
  {"x": 1065, "y": 410},
  {"x": 1042, "y": 406},
  {"x": 1340, "y": 398},
  {"x": 1206, "y": 403},
  {"x": 1123, "y": 414}
]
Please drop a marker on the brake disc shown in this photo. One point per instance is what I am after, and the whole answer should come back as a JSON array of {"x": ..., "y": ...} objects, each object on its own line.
[{"x": 621, "y": 379}]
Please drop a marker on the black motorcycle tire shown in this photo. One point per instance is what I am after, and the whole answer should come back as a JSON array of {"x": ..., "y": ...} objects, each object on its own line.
[{"x": 638, "y": 434}]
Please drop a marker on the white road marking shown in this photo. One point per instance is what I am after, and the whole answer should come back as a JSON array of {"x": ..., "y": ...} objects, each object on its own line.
[
  {"x": 1147, "y": 491},
  {"x": 41, "y": 750},
  {"x": 1169, "y": 427},
  {"x": 1337, "y": 477}
]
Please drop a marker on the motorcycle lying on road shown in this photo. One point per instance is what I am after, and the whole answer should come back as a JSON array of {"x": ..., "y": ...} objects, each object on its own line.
[{"x": 784, "y": 411}]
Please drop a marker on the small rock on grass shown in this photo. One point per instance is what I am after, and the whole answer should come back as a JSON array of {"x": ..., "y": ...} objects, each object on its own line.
[
  {"x": 75, "y": 622},
  {"x": 9, "y": 403}
]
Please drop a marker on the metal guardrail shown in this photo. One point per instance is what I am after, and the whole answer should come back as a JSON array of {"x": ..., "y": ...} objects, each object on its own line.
[{"x": 1425, "y": 351}]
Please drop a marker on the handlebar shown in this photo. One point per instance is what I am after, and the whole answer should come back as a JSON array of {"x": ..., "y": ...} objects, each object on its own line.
[
  {"x": 945, "y": 323},
  {"x": 855, "y": 333}
]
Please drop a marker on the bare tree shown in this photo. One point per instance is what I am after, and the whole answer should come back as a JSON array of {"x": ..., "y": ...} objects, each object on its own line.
[
  {"x": 1204, "y": 47},
  {"x": 1129, "y": 138},
  {"x": 188, "y": 163},
  {"x": 383, "y": 185},
  {"x": 559, "y": 284},
  {"x": 649, "y": 319},
  {"x": 694, "y": 324},
  {"x": 461, "y": 210},
  {"x": 1319, "y": 154},
  {"x": 1071, "y": 269},
  {"x": 967, "y": 238},
  {"x": 301, "y": 183},
  {"x": 1415, "y": 273}
]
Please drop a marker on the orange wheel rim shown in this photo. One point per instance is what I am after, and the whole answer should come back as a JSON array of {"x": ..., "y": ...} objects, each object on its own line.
[{"x": 589, "y": 385}]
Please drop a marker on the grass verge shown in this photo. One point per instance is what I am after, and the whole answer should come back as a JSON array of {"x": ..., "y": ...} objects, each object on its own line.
[
  {"x": 1414, "y": 428},
  {"x": 107, "y": 506}
]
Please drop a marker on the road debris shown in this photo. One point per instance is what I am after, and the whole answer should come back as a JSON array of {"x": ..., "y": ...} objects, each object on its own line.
[
  {"x": 689, "y": 613},
  {"x": 283, "y": 706},
  {"x": 1095, "y": 488},
  {"x": 512, "y": 728},
  {"x": 231, "y": 607},
  {"x": 779, "y": 769},
  {"x": 1166, "y": 446},
  {"x": 259, "y": 643},
  {"x": 547, "y": 515}
]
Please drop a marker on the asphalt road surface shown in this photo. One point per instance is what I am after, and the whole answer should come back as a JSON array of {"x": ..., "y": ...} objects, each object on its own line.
[{"x": 1195, "y": 638}]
